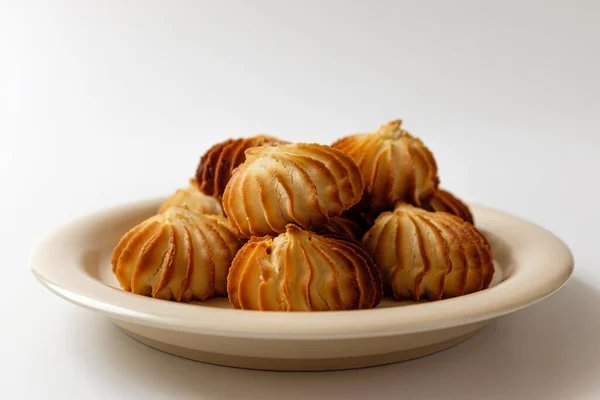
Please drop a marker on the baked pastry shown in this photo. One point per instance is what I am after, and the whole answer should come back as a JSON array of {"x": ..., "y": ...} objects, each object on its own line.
[
  {"x": 423, "y": 254},
  {"x": 305, "y": 184},
  {"x": 217, "y": 164},
  {"x": 179, "y": 254},
  {"x": 302, "y": 271},
  {"x": 445, "y": 201},
  {"x": 395, "y": 166},
  {"x": 192, "y": 198},
  {"x": 342, "y": 225}
]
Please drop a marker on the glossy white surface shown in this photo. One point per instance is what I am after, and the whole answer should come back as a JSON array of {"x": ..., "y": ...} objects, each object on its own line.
[{"x": 109, "y": 102}]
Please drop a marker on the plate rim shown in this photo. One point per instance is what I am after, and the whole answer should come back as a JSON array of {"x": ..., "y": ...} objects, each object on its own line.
[{"x": 506, "y": 297}]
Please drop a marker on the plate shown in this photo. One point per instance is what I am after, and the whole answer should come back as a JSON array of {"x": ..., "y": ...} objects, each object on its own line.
[{"x": 74, "y": 263}]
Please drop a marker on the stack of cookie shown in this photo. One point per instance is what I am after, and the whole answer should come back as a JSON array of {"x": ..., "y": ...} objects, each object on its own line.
[{"x": 308, "y": 227}]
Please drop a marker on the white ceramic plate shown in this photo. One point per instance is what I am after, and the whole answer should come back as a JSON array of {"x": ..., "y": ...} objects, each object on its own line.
[{"x": 74, "y": 262}]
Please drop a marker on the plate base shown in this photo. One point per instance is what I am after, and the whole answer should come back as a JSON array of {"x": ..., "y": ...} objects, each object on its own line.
[{"x": 282, "y": 364}]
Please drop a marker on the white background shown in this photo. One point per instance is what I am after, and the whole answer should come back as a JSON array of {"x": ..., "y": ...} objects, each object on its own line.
[{"x": 113, "y": 101}]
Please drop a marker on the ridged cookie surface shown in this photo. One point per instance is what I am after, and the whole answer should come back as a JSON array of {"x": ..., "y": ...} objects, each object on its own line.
[
  {"x": 302, "y": 271},
  {"x": 192, "y": 198},
  {"x": 430, "y": 255},
  {"x": 305, "y": 184},
  {"x": 178, "y": 254},
  {"x": 217, "y": 164},
  {"x": 445, "y": 201},
  {"x": 395, "y": 166}
]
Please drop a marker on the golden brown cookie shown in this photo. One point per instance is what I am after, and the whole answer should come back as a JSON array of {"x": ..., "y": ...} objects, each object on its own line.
[
  {"x": 395, "y": 166},
  {"x": 342, "y": 225},
  {"x": 423, "y": 254},
  {"x": 179, "y": 254},
  {"x": 445, "y": 201},
  {"x": 302, "y": 271},
  {"x": 305, "y": 184},
  {"x": 192, "y": 198},
  {"x": 217, "y": 164}
]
